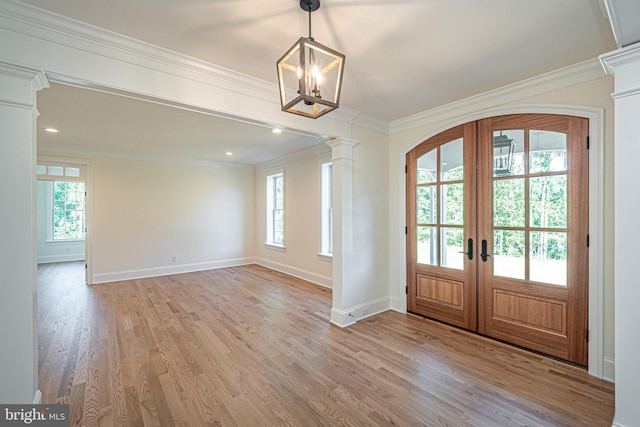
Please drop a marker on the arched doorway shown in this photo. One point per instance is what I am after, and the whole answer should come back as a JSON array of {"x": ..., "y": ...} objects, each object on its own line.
[{"x": 497, "y": 217}]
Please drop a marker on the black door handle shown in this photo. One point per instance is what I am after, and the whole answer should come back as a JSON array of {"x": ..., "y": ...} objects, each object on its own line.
[
  {"x": 469, "y": 252},
  {"x": 484, "y": 253}
]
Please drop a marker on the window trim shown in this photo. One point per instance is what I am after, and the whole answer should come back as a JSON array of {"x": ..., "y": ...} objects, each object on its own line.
[
  {"x": 326, "y": 217},
  {"x": 51, "y": 228},
  {"x": 270, "y": 209}
]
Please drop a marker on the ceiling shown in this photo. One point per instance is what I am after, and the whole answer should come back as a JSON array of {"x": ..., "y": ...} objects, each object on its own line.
[
  {"x": 402, "y": 57},
  {"x": 95, "y": 121}
]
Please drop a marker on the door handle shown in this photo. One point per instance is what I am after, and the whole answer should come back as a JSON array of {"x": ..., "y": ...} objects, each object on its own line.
[
  {"x": 484, "y": 253},
  {"x": 469, "y": 252}
]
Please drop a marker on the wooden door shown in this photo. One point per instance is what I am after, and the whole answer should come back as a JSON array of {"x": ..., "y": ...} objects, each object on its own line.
[
  {"x": 497, "y": 231},
  {"x": 533, "y": 227},
  {"x": 441, "y": 222}
]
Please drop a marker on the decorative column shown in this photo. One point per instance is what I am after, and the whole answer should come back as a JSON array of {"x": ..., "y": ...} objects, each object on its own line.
[
  {"x": 624, "y": 64},
  {"x": 342, "y": 219},
  {"x": 18, "y": 275}
]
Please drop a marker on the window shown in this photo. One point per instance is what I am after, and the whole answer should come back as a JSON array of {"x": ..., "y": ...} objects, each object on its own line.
[
  {"x": 326, "y": 238},
  {"x": 275, "y": 209},
  {"x": 68, "y": 210},
  {"x": 65, "y": 199}
]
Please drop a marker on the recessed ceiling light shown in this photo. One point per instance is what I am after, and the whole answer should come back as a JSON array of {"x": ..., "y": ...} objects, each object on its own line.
[
  {"x": 229, "y": 153},
  {"x": 276, "y": 130},
  {"x": 51, "y": 130}
]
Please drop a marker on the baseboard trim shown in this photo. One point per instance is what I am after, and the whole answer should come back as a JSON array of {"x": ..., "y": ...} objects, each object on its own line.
[
  {"x": 370, "y": 308},
  {"x": 37, "y": 399},
  {"x": 117, "y": 276},
  {"x": 46, "y": 259},
  {"x": 398, "y": 305},
  {"x": 609, "y": 370},
  {"x": 309, "y": 276}
]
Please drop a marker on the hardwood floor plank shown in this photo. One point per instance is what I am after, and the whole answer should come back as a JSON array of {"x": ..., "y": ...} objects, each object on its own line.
[{"x": 248, "y": 346}]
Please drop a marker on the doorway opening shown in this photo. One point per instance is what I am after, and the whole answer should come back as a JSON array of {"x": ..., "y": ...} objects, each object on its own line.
[
  {"x": 497, "y": 217},
  {"x": 63, "y": 212}
]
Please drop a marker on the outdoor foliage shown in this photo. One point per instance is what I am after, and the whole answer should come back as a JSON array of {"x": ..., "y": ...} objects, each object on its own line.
[{"x": 68, "y": 210}]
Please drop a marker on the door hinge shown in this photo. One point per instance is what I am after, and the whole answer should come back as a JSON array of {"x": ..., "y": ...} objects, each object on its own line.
[
  {"x": 588, "y": 240},
  {"x": 405, "y": 169},
  {"x": 85, "y": 266},
  {"x": 406, "y": 230},
  {"x": 587, "y": 143},
  {"x": 406, "y": 290},
  {"x": 587, "y": 335}
]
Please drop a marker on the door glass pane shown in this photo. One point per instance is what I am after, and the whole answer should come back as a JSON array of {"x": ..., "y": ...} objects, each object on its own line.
[
  {"x": 547, "y": 151},
  {"x": 508, "y": 253},
  {"x": 427, "y": 241},
  {"x": 548, "y": 201},
  {"x": 451, "y": 160},
  {"x": 452, "y": 248},
  {"x": 426, "y": 168},
  {"x": 548, "y": 258},
  {"x": 426, "y": 204},
  {"x": 508, "y": 152},
  {"x": 508, "y": 203},
  {"x": 452, "y": 204}
]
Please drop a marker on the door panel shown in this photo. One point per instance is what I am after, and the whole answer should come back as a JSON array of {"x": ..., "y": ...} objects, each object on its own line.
[
  {"x": 441, "y": 216},
  {"x": 497, "y": 225},
  {"x": 532, "y": 288}
]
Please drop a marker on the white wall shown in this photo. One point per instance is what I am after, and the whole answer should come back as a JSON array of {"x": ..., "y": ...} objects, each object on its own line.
[
  {"x": 148, "y": 211},
  {"x": 370, "y": 221},
  {"x": 53, "y": 251},
  {"x": 302, "y": 216},
  {"x": 593, "y": 93}
]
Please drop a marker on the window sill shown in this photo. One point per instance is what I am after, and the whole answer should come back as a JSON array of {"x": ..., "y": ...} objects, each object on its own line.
[
  {"x": 64, "y": 242},
  {"x": 275, "y": 247},
  {"x": 325, "y": 257}
]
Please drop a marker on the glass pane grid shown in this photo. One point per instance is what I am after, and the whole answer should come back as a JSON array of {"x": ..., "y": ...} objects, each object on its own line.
[
  {"x": 530, "y": 216},
  {"x": 68, "y": 210},
  {"x": 440, "y": 206}
]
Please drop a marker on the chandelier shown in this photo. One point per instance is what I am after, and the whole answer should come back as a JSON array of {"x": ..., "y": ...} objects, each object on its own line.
[{"x": 310, "y": 74}]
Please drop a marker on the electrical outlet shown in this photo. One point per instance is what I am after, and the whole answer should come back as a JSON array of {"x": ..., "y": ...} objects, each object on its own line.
[{"x": 174, "y": 258}]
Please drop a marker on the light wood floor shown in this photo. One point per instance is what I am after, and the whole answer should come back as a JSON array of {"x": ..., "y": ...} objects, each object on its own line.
[{"x": 247, "y": 346}]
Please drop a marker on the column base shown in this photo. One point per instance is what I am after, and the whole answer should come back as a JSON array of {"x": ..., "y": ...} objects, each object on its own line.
[{"x": 342, "y": 318}]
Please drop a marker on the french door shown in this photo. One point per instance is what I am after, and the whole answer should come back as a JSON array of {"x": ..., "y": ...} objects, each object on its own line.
[{"x": 497, "y": 231}]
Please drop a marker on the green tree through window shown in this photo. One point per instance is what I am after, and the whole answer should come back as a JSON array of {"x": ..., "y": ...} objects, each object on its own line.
[{"x": 68, "y": 210}]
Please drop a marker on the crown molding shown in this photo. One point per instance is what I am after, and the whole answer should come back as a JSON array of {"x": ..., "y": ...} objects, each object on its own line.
[
  {"x": 45, "y": 25},
  {"x": 565, "y": 77},
  {"x": 77, "y": 150},
  {"x": 370, "y": 122},
  {"x": 315, "y": 151}
]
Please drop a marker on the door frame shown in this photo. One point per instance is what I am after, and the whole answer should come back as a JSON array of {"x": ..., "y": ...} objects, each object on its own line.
[
  {"x": 88, "y": 212},
  {"x": 596, "y": 214}
]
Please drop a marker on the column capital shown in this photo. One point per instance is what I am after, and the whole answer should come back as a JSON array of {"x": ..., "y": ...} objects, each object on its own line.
[
  {"x": 342, "y": 148},
  {"x": 37, "y": 77},
  {"x": 620, "y": 57},
  {"x": 624, "y": 65},
  {"x": 19, "y": 84}
]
